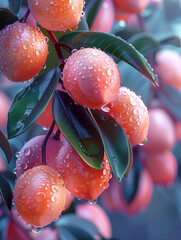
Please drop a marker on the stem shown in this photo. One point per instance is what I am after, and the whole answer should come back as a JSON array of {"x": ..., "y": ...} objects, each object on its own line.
[
  {"x": 141, "y": 23},
  {"x": 56, "y": 45},
  {"x": 65, "y": 46},
  {"x": 57, "y": 135},
  {"x": 23, "y": 19},
  {"x": 45, "y": 143}
]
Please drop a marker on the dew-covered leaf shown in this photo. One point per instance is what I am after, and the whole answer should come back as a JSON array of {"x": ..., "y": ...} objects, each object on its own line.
[
  {"x": 79, "y": 129},
  {"x": 30, "y": 102}
]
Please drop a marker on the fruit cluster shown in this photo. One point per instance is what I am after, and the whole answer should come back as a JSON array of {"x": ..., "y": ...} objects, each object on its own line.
[{"x": 92, "y": 79}]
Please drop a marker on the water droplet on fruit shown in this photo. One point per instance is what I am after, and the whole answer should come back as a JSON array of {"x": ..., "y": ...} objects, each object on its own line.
[
  {"x": 95, "y": 52},
  {"x": 14, "y": 170},
  {"x": 36, "y": 229},
  {"x": 105, "y": 109},
  {"x": 27, "y": 151},
  {"x": 17, "y": 154},
  {"x": 40, "y": 196},
  {"x": 54, "y": 189},
  {"x": 92, "y": 202},
  {"x": 110, "y": 72},
  {"x": 53, "y": 199}
]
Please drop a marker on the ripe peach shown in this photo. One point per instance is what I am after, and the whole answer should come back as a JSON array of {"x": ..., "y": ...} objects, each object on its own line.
[
  {"x": 104, "y": 20},
  {"x": 161, "y": 131},
  {"x": 39, "y": 195},
  {"x": 131, "y": 6},
  {"x": 162, "y": 167},
  {"x": 23, "y": 51},
  {"x": 96, "y": 215},
  {"x": 142, "y": 197},
  {"x": 131, "y": 114},
  {"x": 31, "y": 156},
  {"x": 91, "y": 77},
  {"x": 168, "y": 67},
  {"x": 4, "y": 108},
  {"x": 80, "y": 179},
  {"x": 56, "y": 15},
  {"x": 121, "y": 15},
  {"x": 69, "y": 200}
]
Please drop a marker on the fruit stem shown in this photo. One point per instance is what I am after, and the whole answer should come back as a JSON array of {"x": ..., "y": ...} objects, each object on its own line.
[
  {"x": 45, "y": 143},
  {"x": 56, "y": 46},
  {"x": 23, "y": 19},
  {"x": 141, "y": 23},
  {"x": 57, "y": 135},
  {"x": 65, "y": 46}
]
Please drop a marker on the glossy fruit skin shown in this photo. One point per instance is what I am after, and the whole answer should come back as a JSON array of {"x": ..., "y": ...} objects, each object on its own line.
[
  {"x": 4, "y": 108},
  {"x": 40, "y": 195},
  {"x": 80, "y": 179},
  {"x": 31, "y": 156},
  {"x": 162, "y": 167},
  {"x": 69, "y": 200},
  {"x": 121, "y": 15},
  {"x": 104, "y": 19},
  {"x": 161, "y": 131},
  {"x": 96, "y": 215},
  {"x": 91, "y": 77},
  {"x": 131, "y": 6},
  {"x": 131, "y": 114},
  {"x": 23, "y": 51},
  {"x": 46, "y": 118},
  {"x": 56, "y": 15},
  {"x": 142, "y": 197},
  {"x": 169, "y": 75}
]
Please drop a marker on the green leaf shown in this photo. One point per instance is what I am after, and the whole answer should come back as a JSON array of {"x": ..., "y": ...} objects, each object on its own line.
[
  {"x": 5, "y": 146},
  {"x": 13, "y": 5},
  {"x": 79, "y": 227},
  {"x": 115, "y": 143},
  {"x": 79, "y": 129},
  {"x": 91, "y": 14},
  {"x": 115, "y": 46},
  {"x": 144, "y": 43},
  {"x": 6, "y": 18},
  {"x": 30, "y": 102},
  {"x": 118, "y": 48},
  {"x": 6, "y": 192},
  {"x": 130, "y": 159},
  {"x": 131, "y": 184},
  {"x": 171, "y": 40}
]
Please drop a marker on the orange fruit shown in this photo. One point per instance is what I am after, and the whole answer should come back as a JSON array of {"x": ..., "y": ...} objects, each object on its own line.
[
  {"x": 161, "y": 131},
  {"x": 91, "y": 77},
  {"x": 23, "y": 51},
  {"x": 162, "y": 167},
  {"x": 4, "y": 108},
  {"x": 80, "y": 179},
  {"x": 40, "y": 195},
  {"x": 131, "y": 114},
  {"x": 104, "y": 19},
  {"x": 96, "y": 214},
  {"x": 56, "y": 15},
  {"x": 31, "y": 154},
  {"x": 169, "y": 75},
  {"x": 131, "y": 6}
]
